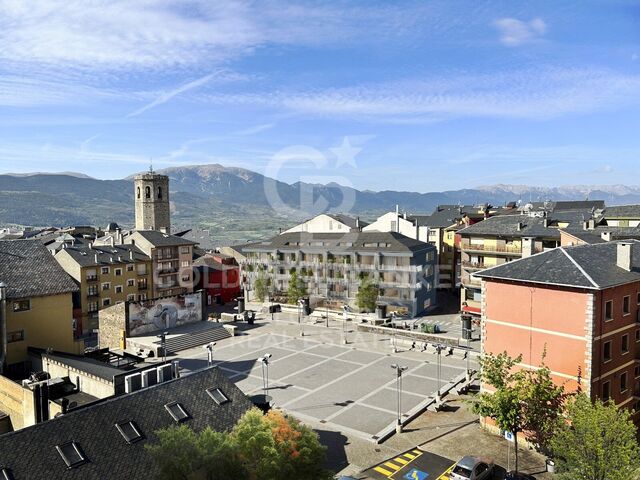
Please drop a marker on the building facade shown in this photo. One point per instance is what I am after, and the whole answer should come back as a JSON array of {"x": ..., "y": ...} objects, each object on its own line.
[
  {"x": 152, "y": 207},
  {"x": 171, "y": 261},
  {"x": 37, "y": 309},
  {"x": 219, "y": 276},
  {"x": 578, "y": 305},
  {"x": 105, "y": 275},
  {"x": 333, "y": 266}
]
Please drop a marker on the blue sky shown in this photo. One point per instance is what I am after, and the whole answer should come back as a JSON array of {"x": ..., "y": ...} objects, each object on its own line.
[{"x": 420, "y": 96}]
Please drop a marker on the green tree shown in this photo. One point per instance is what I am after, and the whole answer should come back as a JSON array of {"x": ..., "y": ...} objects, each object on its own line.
[
  {"x": 297, "y": 288},
  {"x": 269, "y": 447},
  {"x": 597, "y": 442},
  {"x": 261, "y": 286},
  {"x": 367, "y": 295},
  {"x": 521, "y": 401}
]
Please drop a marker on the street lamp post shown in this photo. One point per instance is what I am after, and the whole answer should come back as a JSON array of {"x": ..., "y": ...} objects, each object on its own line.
[
  {"x": 439, "y": 348},
  {"x": 163, "y": 344},
  {"x": 399, "y": 371},
  {"x": 345, "y": 309},
  {"x": 209, "y": 348},
  {"x": 264, "y": 360},
  {"x": 300, "y": 305}
]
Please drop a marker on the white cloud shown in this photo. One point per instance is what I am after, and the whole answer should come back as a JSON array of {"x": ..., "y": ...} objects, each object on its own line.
[
  {"x": 544, "y": 93},
  {"x": 514, "y": 32}
]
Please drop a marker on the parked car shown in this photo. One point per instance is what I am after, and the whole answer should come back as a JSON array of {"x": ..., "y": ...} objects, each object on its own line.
[{"x": 472, "y": 468}]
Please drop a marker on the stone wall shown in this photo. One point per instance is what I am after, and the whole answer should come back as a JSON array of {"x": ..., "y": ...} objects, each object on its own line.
[
  {"x": 111, "y": 322},
  {"x": 17, "y": 402}
]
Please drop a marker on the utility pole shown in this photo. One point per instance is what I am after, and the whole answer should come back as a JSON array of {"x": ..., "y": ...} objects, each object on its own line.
[
  {"x": 399, "y": 371},
  {"x": 265, "y": 372}
]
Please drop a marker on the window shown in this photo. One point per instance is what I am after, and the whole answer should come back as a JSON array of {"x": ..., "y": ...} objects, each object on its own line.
[
  {"x": 71, "y": 454},
  {"x": 176, "y": 411},
  {"x": 147, "y": 192},
  {"x": 131, "y": 282},
  {"x": 141, "y": 268},
  {"x": 159, "y": 193},
  {"x": 142, "y": 297},
  {"x": 106, "y": 286},
  {"x": 217, "y": 395},
  {"x": 606, "y": 355},
  {"x": 118, "y": 272},
  {"x": 184, "y": 250},
  {"x": 186, "y": 278},
  {"x": 93, "y": 307},
  {"x": 21, "y": 305},
  {"x": 608, "y": 310},
  {"x": 92, "y": 291},
  {"x": 637, "y": 335},
  {"x": 636, "y": 371},
  {"x": 623, "y": 382},
  {"x": 626, "y": 305},
  {"x": 118, "y": 288},
  {"x": 638, "y": 299},
  {"x": 129, "y": 432},
  {"x": 138, "y": 192},
  {"x": 186, "y": 263},
  {"x": 16, "y": 336},
  {"x": 625, "y": 344},
  {"x": 131, "y": 298},
  {"x": 104, "y": 270},
  {"x": 106, "y": 302},
  {"x": 606, "y": 391},
  {"x": 130, "y": 267}
]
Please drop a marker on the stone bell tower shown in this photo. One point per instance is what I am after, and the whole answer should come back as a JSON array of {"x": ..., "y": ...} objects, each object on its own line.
[{"x": 151, "y": 193}]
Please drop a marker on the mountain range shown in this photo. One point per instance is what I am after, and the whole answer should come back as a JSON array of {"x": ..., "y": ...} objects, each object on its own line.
[{"x": 229, "y": 204}]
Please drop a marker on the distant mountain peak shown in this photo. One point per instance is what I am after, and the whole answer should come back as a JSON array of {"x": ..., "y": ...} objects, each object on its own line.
[{"x": 67, "y": 174}]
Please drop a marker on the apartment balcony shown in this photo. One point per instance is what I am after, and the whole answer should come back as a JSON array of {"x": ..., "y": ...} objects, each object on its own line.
[
  {"x": 470, "y": 282},
  {"x": 142, "y": 287},
  {"x": 473, "y": 265},
  {"x": 167, "y": 258},
  {"x": 91, "y": 278},
  {"x": 164, "y": 286},
  {"x": 167, "y": 271},
  {"x": 500, "y": 249},
  {"x": 92, "y": 294}
]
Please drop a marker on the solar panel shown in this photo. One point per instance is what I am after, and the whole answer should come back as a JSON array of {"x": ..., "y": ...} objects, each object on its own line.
[
  {"x": 218, "y": 396},
  {"x": 129, "y": 431},
  {"x": 176, "y": 411},
  {"x": 71, "y": 454}
]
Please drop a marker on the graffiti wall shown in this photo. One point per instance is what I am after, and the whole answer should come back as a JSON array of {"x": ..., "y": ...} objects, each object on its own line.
[{"x": 148, "y": 316}]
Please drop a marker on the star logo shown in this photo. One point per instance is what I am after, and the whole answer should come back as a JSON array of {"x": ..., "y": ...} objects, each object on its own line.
[{"x": 346, "y": 153}]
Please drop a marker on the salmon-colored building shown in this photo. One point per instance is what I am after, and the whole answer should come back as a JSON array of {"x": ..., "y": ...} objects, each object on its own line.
[{"x": 581, "y": 304}]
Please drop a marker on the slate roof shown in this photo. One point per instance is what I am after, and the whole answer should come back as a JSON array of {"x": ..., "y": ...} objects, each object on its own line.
[
  {"x": 30, "y": 453},
  {"x": 594, "y": 235},
  {"x": 507, "y": 225},
  {"x": 159, "y": 239},
  {"x": 29, "y": 270},
  {"x": 348, "y": 220},
  {"x": 444, "y": 215},
  {"x": 582, "y": 266},
  {"x": 392, "y": 242},
  {"x": 622, "y": 211},
  {"x": 107, "y": 255}
]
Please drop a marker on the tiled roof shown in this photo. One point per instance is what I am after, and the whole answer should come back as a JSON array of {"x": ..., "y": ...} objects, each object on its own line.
[
  {"x": 507, "y": 225},
  {"x": 582, "y": 266},
  {"x": 85, "y": 256},
  {"x": 30, "y": 453},
  {"x": 29, "y": 270},
  {"x": 347, "y": 242},
  {"x": 622, "y": 211},
  {"x": 160, "y": 239}
]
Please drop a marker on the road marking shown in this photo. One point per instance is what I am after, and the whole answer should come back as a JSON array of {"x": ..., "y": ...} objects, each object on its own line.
[
  {"x": 401, "y": 460},
  {"x": 384, "y": 472},
  {"x": 392, "y": 466}
]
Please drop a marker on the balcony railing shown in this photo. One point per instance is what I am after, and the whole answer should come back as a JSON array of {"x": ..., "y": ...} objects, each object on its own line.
[
  {"x": 91, "y": 294},
  {"x": 92, "y": 278},
  {"x": 511, "y": 249},
  {"x": 142, "y": 287},
  {"x": 473, "y": 265}
]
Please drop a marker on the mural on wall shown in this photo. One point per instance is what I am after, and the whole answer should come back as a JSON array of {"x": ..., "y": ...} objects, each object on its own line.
[{"x": 149, "y": 316}]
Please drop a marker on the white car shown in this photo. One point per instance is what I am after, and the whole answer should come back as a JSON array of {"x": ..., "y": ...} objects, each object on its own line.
[{"x": 472, "y": 468}]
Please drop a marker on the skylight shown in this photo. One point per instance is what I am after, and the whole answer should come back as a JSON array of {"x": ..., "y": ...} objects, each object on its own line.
[
  {"x": 71, "y": 454},
  {"x": 218, "y": 396},
  {"x": 176, "y": 411},
  {"x": 129, "y": 431},
  {"x": 6, "y": 474}
]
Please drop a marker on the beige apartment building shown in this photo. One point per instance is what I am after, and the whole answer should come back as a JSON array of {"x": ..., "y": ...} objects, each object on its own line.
[{"x": 106, "y": 275}]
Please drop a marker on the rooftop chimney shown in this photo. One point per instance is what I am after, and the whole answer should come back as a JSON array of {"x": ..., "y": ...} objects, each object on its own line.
[
  {"x": 131, "y": 254},
  {"x": 97, "y": 258},
  {"x": 520, "y": 226},
  {"x": 606, "y": 236},
  {"x": 624, "y": 257},
  {"x": 112, "y": 240},
  {"x": 528, "y": 246},
  {"x": 545, "y": 222}
]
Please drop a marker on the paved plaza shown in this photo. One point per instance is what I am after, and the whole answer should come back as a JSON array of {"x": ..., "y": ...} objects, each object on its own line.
[{"x": 348, "y": 388}]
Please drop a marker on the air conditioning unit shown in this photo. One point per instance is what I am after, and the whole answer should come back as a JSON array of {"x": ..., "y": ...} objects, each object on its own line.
[
  {"x": 149, "y": 377},
  {"x": 132, "y": 383},
  {"x": 165, "y": 373}
]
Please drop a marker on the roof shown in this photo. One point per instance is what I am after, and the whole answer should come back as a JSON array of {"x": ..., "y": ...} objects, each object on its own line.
[
  {"x": 348, "y": 220},
  {"x": 582, "y": 266},
  {"x": 530, "y": 226},
  {"x": 622, "y": 211},
  {"x": 29, "y": 270},
  {"x": 347, "y": 242},
  {"x": 31, "y": 453},
  {"x": 85, "y": 256},
  {"x": 159, "y": 239},
  {"x": 444, "y": 215},
  {"x": 86, "y": 364},
  {"x": 594, "y": 235}
]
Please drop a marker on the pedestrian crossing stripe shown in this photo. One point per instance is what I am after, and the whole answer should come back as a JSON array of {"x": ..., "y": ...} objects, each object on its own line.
[
  {"x": 445, "y": 475},
  {"x": 389, "y": 468}
]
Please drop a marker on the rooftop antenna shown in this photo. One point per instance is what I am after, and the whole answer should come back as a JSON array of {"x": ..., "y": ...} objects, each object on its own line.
[{"x": 151, "y": 165}]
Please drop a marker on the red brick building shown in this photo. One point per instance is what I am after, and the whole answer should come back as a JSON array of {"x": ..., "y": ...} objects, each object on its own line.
[
  {"x": 581, "y": 304},
  {"x": 218, "y": 275}
]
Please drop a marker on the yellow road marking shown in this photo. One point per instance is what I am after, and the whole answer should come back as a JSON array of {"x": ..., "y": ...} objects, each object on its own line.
[
  {"x": 445, "y": 475},
  {"x": 418, "y": 452},
  {"x": 409, "y": 456},
  {"x": 383, "y": 471},
  {"x": 392, "y": 465}
]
